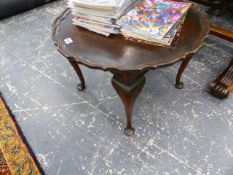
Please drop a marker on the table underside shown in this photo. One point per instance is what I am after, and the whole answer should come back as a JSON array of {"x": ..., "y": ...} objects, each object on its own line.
[{"x": 128, "y": 85}]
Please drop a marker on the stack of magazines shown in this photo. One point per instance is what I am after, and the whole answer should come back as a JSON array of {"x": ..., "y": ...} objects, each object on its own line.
[
  {"x": 99, "y": 15},
  {"x": 157, "y": 22}
]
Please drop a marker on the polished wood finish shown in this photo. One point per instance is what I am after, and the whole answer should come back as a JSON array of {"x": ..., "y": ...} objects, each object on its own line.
[
  {"x": 78, "y": 71},
  {"x": 179, "y": 84},
  {"x": 223, "y": 84},
  {"x": 230, "y": 88},
  {"x": 128, "y": 86},
  {"x": 116, "y": 53},
  {"x": 221, "y": 5},
  {"x": 220, "y": 32},
  {"x": 128, "y": 61}
]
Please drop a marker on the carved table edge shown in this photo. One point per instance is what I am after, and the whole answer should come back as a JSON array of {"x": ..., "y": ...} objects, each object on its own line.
[{"x": 60, "y": 47}]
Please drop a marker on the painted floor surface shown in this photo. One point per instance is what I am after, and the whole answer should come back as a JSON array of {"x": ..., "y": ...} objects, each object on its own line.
[{"x": 186, "y": 132}]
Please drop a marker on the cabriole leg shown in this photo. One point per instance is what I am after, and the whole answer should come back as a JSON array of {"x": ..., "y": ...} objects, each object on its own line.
[
  {"x": 128, "y": 86},
  {"x": 78, "y": 71},
  {"x": 179, "y": 84}
]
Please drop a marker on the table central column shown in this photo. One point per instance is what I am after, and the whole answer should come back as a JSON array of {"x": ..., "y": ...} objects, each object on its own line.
[{"x": 128, "y": 85}]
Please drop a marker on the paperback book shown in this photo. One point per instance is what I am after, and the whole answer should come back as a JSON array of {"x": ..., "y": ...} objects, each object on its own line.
[{"x": 99, "y": 15}]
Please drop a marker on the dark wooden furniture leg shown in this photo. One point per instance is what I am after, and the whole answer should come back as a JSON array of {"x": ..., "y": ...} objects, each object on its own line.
[
  {"x": 128, "y": 86},
  {"x": 230, "y": 88},
  {"x": 78, "y": 71},
  {"x": 179, "y": 84},
  {"x": 223, "y": 84},
  {"x": 223, "y": 8}
]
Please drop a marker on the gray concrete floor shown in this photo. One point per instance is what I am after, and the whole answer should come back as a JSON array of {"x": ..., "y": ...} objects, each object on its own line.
[{"x": 186, "y": 132}]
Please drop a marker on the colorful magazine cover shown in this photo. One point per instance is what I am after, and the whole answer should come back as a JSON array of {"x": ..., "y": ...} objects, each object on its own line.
[
  {"x": 169, "y": 41},
  {"x": 154, "y": 18}
]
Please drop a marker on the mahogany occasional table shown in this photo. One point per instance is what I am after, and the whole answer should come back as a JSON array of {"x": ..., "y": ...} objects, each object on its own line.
[{"x": 128, "y": 61}]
